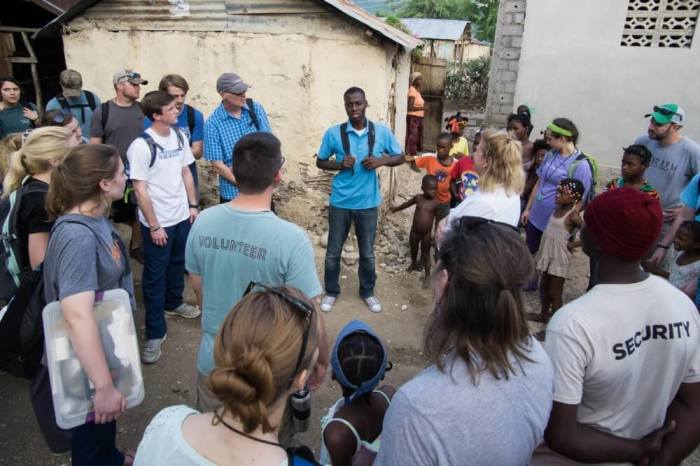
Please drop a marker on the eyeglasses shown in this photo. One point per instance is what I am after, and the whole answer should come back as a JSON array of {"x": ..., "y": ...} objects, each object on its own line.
[
  {"x": 469, "y": 222},
  {"x": 666, "y": 112},
  {"x": 297, "y": 304}
]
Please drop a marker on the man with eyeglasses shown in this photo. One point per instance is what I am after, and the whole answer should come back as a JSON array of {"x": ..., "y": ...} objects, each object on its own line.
[
  {"x": 242, "y": 240},
  {"x": 118, "y": 122},
  {"x": 235, "y": 117},
  {"x": 675, "y": 160}
]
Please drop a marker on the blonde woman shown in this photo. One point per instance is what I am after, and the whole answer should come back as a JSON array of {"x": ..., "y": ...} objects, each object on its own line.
[
  {"x": 8, "y": 146},
  {"x": 497, "y": 160},
  {"x": 30, "y": 169},
  {"x": 265, "y": 351}
]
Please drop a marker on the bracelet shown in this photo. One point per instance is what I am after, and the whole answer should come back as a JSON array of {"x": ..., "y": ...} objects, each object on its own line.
[
  {"x": 194, "y": 206},
  {"x": 662, "y": 246},
  {"x": 154, "y": 229}
]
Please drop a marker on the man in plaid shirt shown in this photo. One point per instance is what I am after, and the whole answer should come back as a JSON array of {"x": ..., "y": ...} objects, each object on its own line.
[{"x": 231, "y": 120}]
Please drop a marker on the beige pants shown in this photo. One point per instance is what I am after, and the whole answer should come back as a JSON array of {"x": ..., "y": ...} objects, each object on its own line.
[{"x": 206, "y": 402}]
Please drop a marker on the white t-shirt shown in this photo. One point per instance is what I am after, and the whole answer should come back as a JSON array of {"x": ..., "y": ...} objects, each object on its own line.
[
  {"x": 165, "y": 183},
  {"x": 621, "y": 352},
  {"x": 163, "y": 444},
  {"x": 497, "y": 205}
]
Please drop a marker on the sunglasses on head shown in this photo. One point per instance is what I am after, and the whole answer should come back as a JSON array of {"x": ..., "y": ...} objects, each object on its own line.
[
  {"x": 297, "y": 304},
  {"x": 666, "y": 112},
  {"x": 469, "y": 222}
]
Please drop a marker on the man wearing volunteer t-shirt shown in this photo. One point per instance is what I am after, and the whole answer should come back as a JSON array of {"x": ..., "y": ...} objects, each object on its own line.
[
  {"x": 626, "y": 354},
  {"x": 159, "y": 167}
]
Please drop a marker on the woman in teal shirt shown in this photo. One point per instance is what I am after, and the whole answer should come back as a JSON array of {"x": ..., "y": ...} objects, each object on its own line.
[{"x": 15, "y": 116}]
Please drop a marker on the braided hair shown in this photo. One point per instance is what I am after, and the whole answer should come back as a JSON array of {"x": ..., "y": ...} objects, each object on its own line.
[{"x": 360, "y": 356}]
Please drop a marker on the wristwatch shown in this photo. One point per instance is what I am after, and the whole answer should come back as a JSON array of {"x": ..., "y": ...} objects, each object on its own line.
[{"x": 194, "y": 206}]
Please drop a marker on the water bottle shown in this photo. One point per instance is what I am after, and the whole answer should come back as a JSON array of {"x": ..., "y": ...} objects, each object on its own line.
[{"x": 301, "y": 409}]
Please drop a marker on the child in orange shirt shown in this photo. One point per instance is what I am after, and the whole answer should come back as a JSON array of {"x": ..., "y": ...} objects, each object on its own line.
[{"x": 439, "y": 165}]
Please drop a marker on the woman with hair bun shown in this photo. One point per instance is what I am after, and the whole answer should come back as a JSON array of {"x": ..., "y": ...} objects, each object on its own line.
[
  {"x": 264, "y": 352},
  {"x": 486, "y": 399}
]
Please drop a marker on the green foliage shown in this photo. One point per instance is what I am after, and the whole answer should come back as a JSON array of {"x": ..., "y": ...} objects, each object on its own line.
[
  {"x": 393, "y": 20},
  {"x": 469, "y": 81},
  {"x": 482, "y": 13}
]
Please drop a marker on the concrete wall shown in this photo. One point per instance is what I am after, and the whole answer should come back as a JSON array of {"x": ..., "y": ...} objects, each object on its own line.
[
  {"x": 472, "y": 51},
  {"x": 299, "y": 79},
  {"x": 572, "y": 64}
]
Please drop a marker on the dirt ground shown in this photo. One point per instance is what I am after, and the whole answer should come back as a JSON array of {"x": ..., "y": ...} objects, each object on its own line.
[{"x": 406, "y": 306}]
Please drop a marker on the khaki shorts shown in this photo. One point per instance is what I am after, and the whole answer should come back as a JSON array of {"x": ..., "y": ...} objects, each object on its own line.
[{"x": 205, "y": 401}]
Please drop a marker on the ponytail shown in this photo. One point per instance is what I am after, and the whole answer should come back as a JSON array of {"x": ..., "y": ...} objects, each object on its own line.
[{"x": 41, "y": 147}]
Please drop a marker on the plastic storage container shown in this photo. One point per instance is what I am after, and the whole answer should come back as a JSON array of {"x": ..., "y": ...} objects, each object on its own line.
[{"x": 71, "y": 389}]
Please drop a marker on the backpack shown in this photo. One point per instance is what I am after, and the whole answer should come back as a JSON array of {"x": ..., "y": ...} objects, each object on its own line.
[
  {"x": 301, "y": 456},
  {"x": 346, "y": 140},
  {"x": 593, "y": 163},
  {"x": 190, "y": 119},
  {"x": 66, "y": 106},
  {"x": 11, "y": 267},
  {"x": 153, "y": 146},
  {"x": 253, "y": 116},
  {"x": 105, "y": 115}
]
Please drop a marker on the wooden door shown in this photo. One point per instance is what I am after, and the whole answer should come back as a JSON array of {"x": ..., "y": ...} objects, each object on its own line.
[{"x": 433, "y": 71}]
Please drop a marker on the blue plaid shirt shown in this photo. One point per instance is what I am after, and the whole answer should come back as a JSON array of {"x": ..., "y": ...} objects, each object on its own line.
[{"x": 222, "y": 132}]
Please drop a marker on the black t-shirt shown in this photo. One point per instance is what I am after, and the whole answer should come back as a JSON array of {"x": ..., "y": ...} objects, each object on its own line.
[{"x": 32, "y": 218}]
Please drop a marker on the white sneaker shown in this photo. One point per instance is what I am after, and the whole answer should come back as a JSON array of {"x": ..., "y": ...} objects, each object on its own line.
[
  {"x": 151, "y": 350},
  {"x": 185, "y": 310},
  {"x": 327, "y": 303},
  {"x": 373, "y": 304}
]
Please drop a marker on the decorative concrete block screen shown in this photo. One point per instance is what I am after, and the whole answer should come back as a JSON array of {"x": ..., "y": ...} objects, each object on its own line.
[{"x": 660, "y": 23}]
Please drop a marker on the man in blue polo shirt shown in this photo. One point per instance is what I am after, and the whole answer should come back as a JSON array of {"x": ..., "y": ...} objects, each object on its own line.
[
  {"x": 360, "y": 147},
  {"x": 231, "y": 120}
]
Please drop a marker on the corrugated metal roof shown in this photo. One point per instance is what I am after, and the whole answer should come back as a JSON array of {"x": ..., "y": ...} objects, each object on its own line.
[
  {"x": 216, "y": 10},
  {"x": 440, "y": 29}
]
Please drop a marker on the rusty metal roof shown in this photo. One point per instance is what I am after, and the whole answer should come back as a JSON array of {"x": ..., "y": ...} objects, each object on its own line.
[{"x": 346, "y": 7}]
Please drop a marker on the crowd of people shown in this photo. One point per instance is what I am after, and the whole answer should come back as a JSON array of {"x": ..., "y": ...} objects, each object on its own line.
[{"x": 616, "y": 379}]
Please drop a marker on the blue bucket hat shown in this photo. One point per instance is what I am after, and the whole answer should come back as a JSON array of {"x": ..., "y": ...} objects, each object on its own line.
[{"x": 357, "y": 326}]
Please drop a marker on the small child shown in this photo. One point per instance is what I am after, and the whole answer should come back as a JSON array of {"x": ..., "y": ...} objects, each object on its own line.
[
  {"x": 686, "y": 268},
  {"x": 554, "y": 254},
  {"x": 539, "y": 150},
  {"x": 423, "y": 218},
  {"x": 440, "y": 165},
  {"x": 350, "y": 430},
  {"x": 456, "y": 125},
  {"x": 635, "y": 160}
]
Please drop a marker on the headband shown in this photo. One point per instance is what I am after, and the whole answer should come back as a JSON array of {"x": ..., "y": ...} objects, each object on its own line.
[{"x": 559, "y": 130}]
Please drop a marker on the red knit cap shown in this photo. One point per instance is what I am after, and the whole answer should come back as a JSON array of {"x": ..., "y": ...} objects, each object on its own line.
[{"x": 625, "y": 222}]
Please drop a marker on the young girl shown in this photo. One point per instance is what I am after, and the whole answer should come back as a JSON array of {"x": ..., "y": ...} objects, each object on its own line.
[
  {"x": 456, "y": 125},
  {"x": 686, "y": 268},
  {"x": 350, "y": 430},
  {"x": 554, "y": 254}
]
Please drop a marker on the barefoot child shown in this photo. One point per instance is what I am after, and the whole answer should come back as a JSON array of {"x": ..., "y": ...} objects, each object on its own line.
[
  {"x": 423, "y": 219},
  {"x": 439, "y": 165},
  {"x": 635, "y": 160},
  {"x": 686, "y": 268},
  {"x": 554, "y": 254},
  {"x": 351, "y": 428}
]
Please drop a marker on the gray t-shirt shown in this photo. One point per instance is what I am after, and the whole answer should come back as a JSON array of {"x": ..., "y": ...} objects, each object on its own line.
[
  {"x": 123, "y": 125},
  {"x": 671, "y": 167},
  {"x": 441, "y": 418},
  {"x": 83, "y": 258}
]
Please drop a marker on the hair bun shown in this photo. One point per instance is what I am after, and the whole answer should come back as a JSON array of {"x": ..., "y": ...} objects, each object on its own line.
[{"x": 248, "y": 380}]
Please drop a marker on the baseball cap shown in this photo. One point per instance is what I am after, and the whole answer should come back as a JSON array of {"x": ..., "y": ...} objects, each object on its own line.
[
  {"x": 231, "y": 83},
  {"x": 71, "y": 83},
  {"x": 357, "y": 326},
  {"x": 128, "y": 75},
  {"x": 667, "y": 113}
]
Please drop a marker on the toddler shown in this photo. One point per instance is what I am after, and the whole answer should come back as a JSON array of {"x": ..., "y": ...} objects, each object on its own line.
[
  {"x": 686, "y": 266},
  {"x": 351, "y": 428}
]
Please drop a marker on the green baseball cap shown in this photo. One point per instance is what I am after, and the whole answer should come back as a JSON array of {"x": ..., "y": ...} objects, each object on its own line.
[{"x": 667, "y": 113}]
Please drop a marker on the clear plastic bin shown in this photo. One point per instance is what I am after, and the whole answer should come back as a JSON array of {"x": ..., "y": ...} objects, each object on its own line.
[{"x": 71, "y": 389}]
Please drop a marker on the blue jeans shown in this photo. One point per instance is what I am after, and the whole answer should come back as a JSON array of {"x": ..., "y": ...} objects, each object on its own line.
[
  {"x": 95, "y": 444},
  {"x": 163, "y": 276},
  {"x": 339, "y": 221}
]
